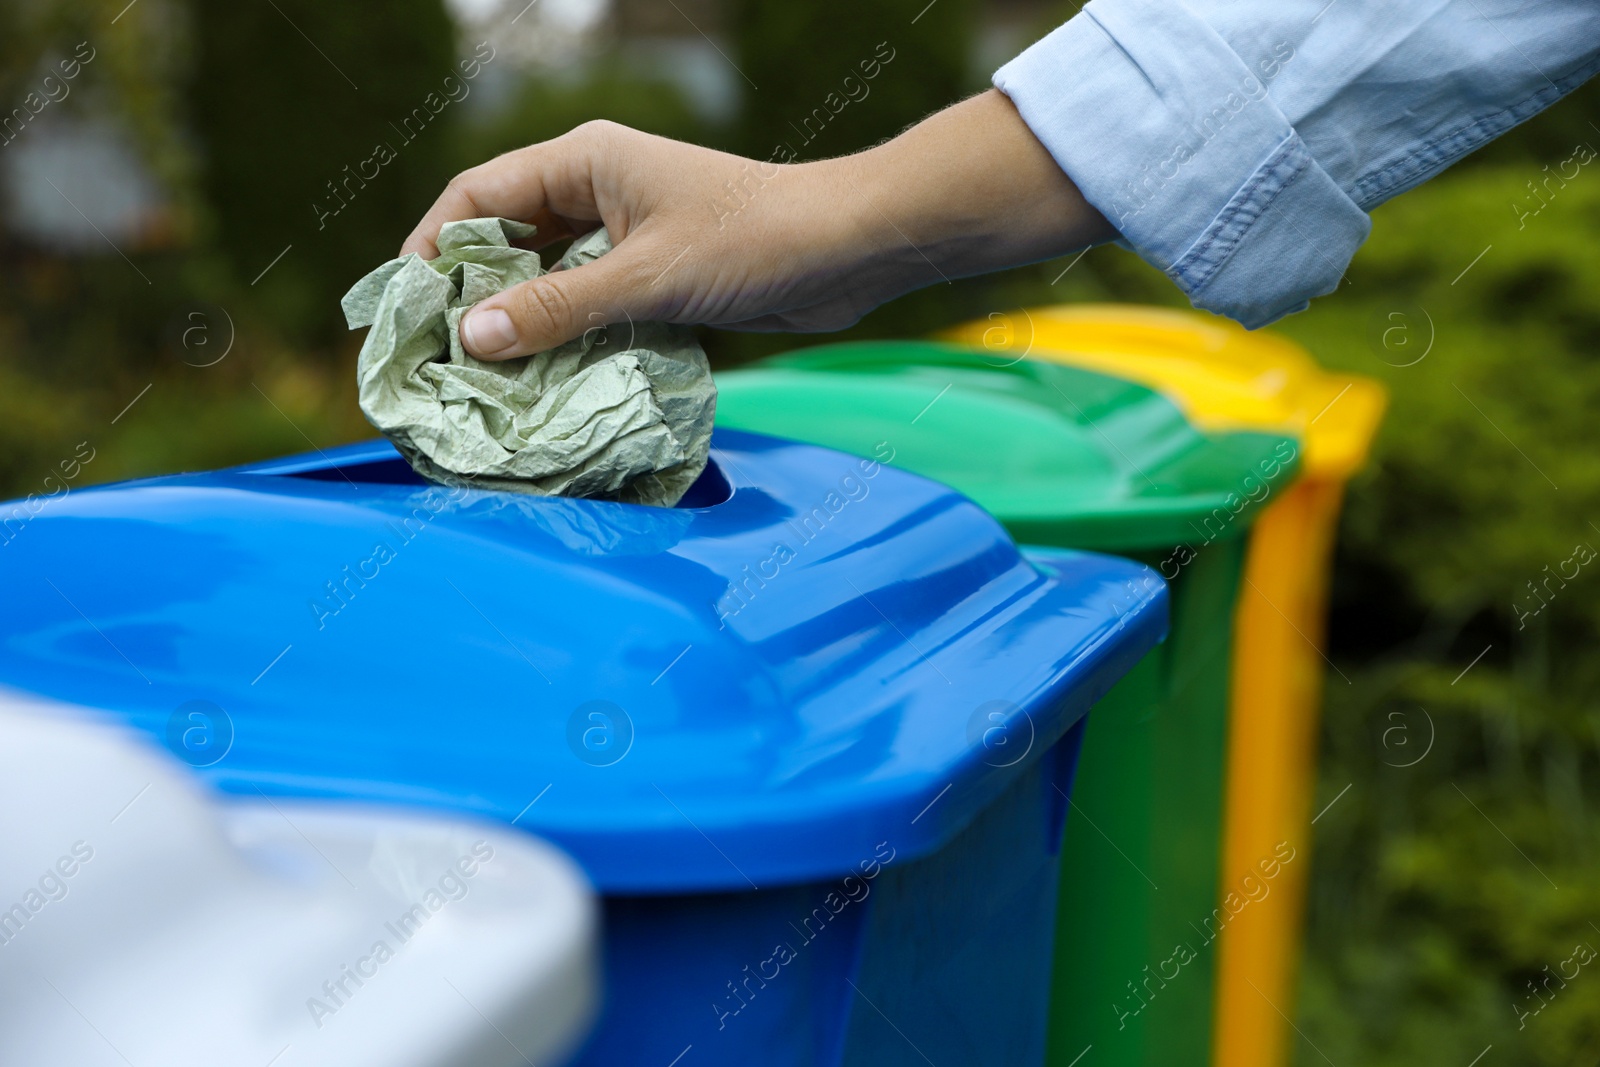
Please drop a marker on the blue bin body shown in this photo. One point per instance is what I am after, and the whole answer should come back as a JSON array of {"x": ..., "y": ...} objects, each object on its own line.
[{"x": 811, "y": 733}]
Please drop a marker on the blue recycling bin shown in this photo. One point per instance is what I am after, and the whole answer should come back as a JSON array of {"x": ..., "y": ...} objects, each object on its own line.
[{"x": 811, "y": 733}]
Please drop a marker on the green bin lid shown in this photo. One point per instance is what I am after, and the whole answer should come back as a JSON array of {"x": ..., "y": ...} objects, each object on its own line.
[{"x": 1060, "y": 455}]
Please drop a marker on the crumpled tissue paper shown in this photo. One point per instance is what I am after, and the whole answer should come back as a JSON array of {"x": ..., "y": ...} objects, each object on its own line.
[{"x": 622, "y": 413}]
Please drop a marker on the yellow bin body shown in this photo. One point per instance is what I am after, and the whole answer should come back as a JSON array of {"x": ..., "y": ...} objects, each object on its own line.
[{"x": 1227, "y": 378}]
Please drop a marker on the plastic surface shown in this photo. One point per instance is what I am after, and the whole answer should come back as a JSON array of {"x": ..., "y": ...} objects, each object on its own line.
[
  {"x": 1278, "y": 679},
  {"x": 1224, "y": 376},
  {"x": 1144, "y": 836},
  {"x": 1077, "y": 457},
  {"x": 1060, "y": 455},
  {"x": 942, "y": 959},
  {"x": 1279, "y": 672},
  {"x": 826, "y": 808},
  {"x": 1221, "y": 375},
  {"x": 147, "y": 923},
  {"x": 748, "y": 693}
]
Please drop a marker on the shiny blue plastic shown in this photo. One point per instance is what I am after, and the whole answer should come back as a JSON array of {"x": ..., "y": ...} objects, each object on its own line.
[
  {"x": 812, "y": 733},
  {"x": 749, "y": 692}
]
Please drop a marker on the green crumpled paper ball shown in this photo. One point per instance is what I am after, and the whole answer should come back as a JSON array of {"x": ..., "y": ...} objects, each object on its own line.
[{"x": 622, "y": 413}]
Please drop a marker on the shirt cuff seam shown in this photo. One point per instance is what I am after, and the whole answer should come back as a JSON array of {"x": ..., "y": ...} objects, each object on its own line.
[
  {"x": 1435, "y": 156},
  {"x": 1250, "y": 201}
]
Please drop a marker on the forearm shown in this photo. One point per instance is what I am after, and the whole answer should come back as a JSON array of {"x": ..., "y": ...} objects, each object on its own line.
[{"x": 971, "y": 189}]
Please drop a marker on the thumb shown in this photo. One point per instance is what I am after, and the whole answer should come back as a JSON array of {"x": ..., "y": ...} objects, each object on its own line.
[{"x": 552, "y": 308}]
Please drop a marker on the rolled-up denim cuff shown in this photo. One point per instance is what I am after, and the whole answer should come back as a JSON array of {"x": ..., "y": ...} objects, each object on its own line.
[
  {"x": 1178, "y": 142},
  {"x": 1285, "y": 236}
]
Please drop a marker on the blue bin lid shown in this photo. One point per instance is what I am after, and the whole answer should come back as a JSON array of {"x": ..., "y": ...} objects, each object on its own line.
[{"x": 814, "y": 654}]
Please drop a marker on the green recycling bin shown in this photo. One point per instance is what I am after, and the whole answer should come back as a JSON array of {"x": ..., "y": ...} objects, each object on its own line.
[{"x": 1069, "y": 457}]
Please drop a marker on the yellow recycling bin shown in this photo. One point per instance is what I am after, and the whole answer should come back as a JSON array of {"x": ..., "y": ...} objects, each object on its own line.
[{"x": 1227, "y": 378}]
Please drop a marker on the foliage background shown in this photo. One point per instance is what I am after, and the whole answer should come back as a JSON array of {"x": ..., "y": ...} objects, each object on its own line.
[{"x": 1440, "y": 890}]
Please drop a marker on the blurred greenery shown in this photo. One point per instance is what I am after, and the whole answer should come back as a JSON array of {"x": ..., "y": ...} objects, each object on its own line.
[
  {"x": 1440, "y": 889},
  {"x": 853, "y": 95},
  {"x": 290, "y": 134},
  {"x": 541, "y": 110},
  {"x": 1436, "y": 894},
  {"x": 133, "y": 76}
]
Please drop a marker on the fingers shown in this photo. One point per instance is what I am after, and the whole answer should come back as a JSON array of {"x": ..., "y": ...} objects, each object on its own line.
[
  {"x": 550, "y": 185},
  {"x": 554, "y": 308}
]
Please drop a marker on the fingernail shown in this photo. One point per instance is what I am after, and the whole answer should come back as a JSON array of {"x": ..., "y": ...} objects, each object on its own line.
[{"x": 487, "y": 332}]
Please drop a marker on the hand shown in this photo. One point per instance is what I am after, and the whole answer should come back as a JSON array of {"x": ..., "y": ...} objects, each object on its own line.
[{"x": 707, "y": 237}]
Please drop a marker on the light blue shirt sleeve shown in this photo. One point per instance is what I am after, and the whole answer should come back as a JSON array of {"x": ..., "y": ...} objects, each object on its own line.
[{"x": 1239, "y": 144}]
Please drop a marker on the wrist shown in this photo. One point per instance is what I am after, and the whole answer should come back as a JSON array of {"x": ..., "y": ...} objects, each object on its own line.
[{"x": 972, "y": 190}]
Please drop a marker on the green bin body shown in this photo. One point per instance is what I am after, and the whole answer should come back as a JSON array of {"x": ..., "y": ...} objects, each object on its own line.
[{"x": 1068, "y": 457}]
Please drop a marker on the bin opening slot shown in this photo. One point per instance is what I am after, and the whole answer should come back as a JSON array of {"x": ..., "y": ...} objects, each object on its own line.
[{"x": 708, "y": 490}]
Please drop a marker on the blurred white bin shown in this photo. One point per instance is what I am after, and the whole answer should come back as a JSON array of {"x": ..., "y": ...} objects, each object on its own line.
[{"x": 144, "y": 923}]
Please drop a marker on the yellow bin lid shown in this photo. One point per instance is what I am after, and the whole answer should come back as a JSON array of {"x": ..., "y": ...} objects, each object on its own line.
[{"x": 1221, "y": 375}]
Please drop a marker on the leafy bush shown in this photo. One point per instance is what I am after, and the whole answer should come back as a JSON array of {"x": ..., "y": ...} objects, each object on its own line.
[
  {"x": 1436, "y": 896},
  {"x": 288, "y": 95},
  {"x": 813, "y": 60}
]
